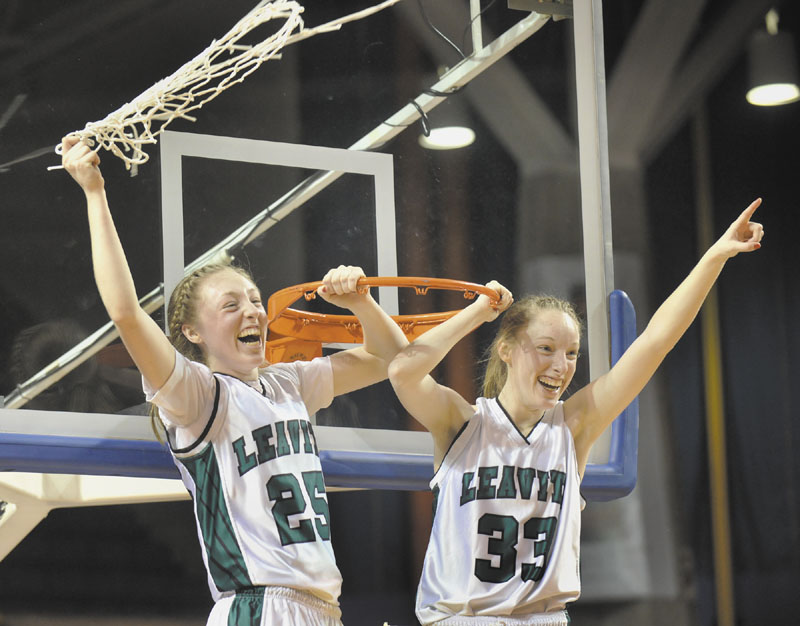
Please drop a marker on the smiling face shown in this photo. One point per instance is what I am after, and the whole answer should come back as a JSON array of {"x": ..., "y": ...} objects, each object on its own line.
[
  {"x": 540, "y": 364},
  {"x": 230, "y": 324}
]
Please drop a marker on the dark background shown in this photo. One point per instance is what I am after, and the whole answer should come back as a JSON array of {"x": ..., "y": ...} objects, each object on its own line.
[{"x": 76, "y": 62}]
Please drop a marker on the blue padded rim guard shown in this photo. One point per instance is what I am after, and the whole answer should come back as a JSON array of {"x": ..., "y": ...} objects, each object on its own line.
[
  {"x": 617, "y": 478},
  {"x": 348, "y": 469}
]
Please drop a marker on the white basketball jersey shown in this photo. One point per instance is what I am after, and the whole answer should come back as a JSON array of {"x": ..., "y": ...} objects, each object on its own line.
[
  {"x": 255, "y": 476},
  {"x": 506, "y": 526}
]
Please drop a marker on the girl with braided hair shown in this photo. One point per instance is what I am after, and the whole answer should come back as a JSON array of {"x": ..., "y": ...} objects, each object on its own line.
[
  {"x": 504, "y": 547},
  {"x": 241, "y": 436}
]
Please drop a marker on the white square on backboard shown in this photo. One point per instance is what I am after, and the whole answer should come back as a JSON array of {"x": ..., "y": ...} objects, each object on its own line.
[{"x": 175, "y": 146}]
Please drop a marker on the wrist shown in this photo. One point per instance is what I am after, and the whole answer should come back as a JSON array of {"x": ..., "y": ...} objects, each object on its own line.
[
  {"x": 482, "y": 311},
  {"x": 358, "y": 302},
  {"x": 95, "y": 191},
  {"x": 717, "y": 253}
]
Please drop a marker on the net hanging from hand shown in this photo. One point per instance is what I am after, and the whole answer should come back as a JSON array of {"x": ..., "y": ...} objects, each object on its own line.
[{"x": 224, "y": 63}]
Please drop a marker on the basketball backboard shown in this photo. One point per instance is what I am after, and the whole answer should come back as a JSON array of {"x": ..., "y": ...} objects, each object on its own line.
[{"x": 257, "y": 177}]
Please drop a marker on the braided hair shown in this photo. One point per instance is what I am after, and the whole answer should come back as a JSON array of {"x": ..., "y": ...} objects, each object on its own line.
[
  {"x": 182, "y": 309},
  {"x": 515, "y": 320}
]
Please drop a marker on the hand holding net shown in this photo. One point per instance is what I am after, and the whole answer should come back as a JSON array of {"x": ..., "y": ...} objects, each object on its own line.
[{"x": 221, "y": 65}]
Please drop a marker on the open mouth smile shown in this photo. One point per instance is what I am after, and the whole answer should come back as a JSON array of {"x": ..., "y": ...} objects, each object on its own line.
[
  {"x": 250, "y": 336},
  {"x": 549, "y": 384}
]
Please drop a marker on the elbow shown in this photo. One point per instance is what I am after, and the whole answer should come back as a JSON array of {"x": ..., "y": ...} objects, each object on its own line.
[
  {"x": 125, "y": 317},
  {"x": 385, "y": 342},
  {"x": 401, "y": 372},
  {"x": 659, "y": 343},
  {"x": 121, "y": 310},
  {"x": 121, "y": 317},
  {"x": 395, "y": 371},
  {"x": 380, "y": 369}
]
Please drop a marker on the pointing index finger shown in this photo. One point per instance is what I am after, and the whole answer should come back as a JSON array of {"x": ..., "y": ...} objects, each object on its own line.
[{"x": 748, "y": 212}]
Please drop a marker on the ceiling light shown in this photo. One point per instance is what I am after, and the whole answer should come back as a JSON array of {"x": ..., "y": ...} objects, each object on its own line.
[
  {"x": 448, "y": 127},
  {"x": 773, "y": 70},
  {"x": 447, "y": 138}
]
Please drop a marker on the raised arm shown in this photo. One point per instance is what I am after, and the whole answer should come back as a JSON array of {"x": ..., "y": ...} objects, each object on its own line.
[
  {"x": 593, "y": 408},
  {"x": 367, "y": 364},
  {"x": 145, "y": 341},
  {"x": 438, "y": 408}
]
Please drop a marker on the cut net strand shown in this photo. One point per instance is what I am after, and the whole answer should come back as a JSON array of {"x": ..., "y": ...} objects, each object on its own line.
[{"x": 224, "y": 63}]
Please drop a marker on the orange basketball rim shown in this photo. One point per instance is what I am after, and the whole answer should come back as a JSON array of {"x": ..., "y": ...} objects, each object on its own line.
[{"x": 298, "y": 335}]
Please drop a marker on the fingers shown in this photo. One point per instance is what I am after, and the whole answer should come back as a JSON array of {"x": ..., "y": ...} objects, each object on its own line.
[
  {"x": 82, "y": 163},
  {"x": 506, "y": 297},
  {"x": 341, "y": 280},
  {"x": 68, "y": 142},
  {"x": 75, "y": 152},
  {"x": 749, "y": 233},
  {"x": 748, "y": 212},
  {"x": 743, "y": 235},
  {"x": 756, "y": 234}
]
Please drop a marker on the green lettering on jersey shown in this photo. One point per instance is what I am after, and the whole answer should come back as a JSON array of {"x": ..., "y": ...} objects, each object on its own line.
[
  {"x": 308, "y": 444},
  {"x": 559, "y": 480},
  {"x": 486, "y": 489},
  {"x": 543, "y": 482},
  {"x": 525, "y": 476},
  {"x": 467, "y": 492},
  {"x": 293, "y": 426},
  {"x": 282, "y": 444},
  {"x": 266, "y": 450},
  {"x": 313, "y": 438},
  {"x": 507, "y": 488},
  {"x": 246, "y": 462}
]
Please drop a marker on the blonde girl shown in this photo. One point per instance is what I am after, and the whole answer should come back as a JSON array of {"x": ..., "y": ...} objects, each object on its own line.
[
  {"x": 504, "y": 547},
  {"x": 241, "y": 436}
]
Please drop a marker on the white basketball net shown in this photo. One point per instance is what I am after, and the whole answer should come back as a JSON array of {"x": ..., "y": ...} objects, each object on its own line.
[{"x": 223, "y": 64}]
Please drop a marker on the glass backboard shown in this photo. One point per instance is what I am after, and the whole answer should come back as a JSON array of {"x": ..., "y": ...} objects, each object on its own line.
[{"x": 294, "y": 172}]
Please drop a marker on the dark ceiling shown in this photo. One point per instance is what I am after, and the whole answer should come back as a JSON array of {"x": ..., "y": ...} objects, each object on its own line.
[{"x": 63, "y": 64}]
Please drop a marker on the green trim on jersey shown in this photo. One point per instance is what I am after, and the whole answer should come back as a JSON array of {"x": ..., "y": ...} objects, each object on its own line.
[
  {"x": 247, "y": 607},
  {"x": 225, "y": 560}
]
